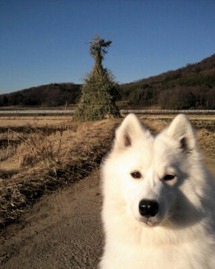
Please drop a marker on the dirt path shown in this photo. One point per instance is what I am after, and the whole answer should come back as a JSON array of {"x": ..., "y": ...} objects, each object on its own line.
[{"x": 61, "y": 231}]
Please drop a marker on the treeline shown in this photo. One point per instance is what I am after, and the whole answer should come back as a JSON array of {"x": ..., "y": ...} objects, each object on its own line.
[
  {"x": 179, "y": 96},
  {"x": 46, "y": 95},
  {"x": 188, "y": 98}
]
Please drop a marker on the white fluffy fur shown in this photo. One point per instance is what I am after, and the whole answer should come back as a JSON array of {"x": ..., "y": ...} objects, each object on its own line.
[{"x": 181, "y": 235}]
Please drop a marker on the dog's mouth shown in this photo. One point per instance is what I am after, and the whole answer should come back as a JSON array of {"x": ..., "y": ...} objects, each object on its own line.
[
  {"x": 150, "y": 222},
  {"x": 147, "y": 221}
]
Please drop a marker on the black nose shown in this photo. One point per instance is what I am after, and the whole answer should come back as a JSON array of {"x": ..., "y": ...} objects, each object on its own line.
[{"x": 148, "y": 208}]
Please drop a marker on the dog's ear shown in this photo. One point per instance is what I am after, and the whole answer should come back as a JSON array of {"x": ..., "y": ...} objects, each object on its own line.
[
  {"x": 181, "y": 130},
  {"x": 130, "y": 130}
]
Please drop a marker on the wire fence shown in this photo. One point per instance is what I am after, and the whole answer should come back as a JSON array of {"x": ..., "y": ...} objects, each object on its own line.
[
  {"x": 167, "y": 111},
  {"x": 123, "y": 112},
  {"x": 37, "y": 112}
]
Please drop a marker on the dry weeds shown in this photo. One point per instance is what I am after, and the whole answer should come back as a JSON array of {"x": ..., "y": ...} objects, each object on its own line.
[
  {"x": 45, "y": 162},
  {"x": 35, "y": 121}
]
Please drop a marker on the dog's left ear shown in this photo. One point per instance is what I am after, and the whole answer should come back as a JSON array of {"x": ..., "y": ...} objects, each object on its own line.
[{"x": 181, "y": 130}]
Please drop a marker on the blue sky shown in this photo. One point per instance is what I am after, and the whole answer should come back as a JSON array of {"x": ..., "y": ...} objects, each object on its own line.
[{"x": 47, "y": 41}]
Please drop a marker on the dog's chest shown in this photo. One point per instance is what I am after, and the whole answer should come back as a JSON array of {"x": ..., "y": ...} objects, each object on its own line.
[{"x": 171, "y": 257}]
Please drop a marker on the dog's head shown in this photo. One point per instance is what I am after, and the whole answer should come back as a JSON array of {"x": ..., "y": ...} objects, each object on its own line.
[{"x": 152, "y": 173}]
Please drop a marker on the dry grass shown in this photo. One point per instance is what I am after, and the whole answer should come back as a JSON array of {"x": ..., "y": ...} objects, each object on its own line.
[
  {"x": 205, "y": 131},
  {"x": 35, "y": 121},
  {"x": 40, "y": 158},
  {"x": 45, "y": 162}
]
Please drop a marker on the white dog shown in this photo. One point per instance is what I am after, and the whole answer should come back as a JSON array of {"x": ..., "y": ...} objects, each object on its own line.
[{"x": 159, "y": 200}]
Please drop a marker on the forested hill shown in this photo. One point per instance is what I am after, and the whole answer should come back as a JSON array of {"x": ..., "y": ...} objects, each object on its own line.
[
  {"x": 55, "y": 94},
  {"x": 192, "y": 86}
]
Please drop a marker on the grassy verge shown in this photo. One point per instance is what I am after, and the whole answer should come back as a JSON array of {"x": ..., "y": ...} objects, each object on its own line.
[{"x": 49, "y": 161}]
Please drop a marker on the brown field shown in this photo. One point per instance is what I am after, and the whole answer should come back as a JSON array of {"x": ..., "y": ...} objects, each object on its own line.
[
  {"x": 39, "y": 155},
  {"x": 35, "y": 121}
]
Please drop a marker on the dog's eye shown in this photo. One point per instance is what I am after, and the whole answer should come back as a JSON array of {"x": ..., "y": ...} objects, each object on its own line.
[
  {"x": 168, "y": 177},
  {"x": 136, "y": 174}
]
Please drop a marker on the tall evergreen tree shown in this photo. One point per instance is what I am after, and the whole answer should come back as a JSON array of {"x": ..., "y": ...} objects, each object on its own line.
[{"x": 97, "y": 100}]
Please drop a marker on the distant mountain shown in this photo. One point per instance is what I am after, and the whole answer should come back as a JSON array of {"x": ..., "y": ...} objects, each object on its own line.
[
  {"x": 55, "y": 94},
  {"x": 192, "y": 86}
]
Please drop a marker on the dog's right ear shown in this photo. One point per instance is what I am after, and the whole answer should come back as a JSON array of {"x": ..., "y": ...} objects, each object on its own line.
[{"x": 130, "y": 130}]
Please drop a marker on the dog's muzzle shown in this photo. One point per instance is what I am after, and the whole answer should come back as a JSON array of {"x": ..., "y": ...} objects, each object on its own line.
[{"x": 148, "y": 208}]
